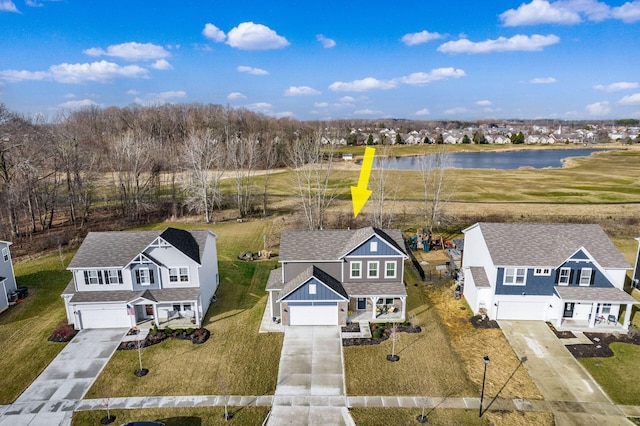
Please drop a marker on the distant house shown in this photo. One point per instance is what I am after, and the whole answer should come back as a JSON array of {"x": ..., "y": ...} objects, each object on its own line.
[
  {"x": 7, "y": 277},
  {"x": 501, "y": 139},
  {"x": 125, "y": 279},
  {"x": 564, "y": 273},
  {"x": 329, "y": 277}
]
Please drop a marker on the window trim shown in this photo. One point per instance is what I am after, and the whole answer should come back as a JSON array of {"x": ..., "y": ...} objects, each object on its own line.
[
  {"x": 377, "y": 268},
  {"x": 373, "y": 246},
  {"x": 5, "y": 253},
  {"x": 515, "y": 276},
  {"x": 542, "y": 272},
  {"x": 89, "y": 275},
  {"x": 140, "y": 276},
  {"x": 560, "y": 276},
  {"x": 386, "y": 270},
  {"x": 179, "y": 276},
  {"x": 359, "y": 269},
  {"x": 108, "y": 276},
  {"x": 582, "y": 276},
  {"x": 313, "y": 288}
]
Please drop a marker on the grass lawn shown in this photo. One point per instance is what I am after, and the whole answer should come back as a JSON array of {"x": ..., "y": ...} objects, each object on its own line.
[
  {"x": 25, "y": 328},
  {"x": 184, "y": 416},
  {"x": 618, "y": 375},
  {"x": 236, "y": 359}
]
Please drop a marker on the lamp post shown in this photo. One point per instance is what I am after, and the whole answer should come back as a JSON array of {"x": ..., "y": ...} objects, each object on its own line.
[{"x": 484, "y": 376}]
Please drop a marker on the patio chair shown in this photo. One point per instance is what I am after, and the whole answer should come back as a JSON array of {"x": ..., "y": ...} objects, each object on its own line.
[{"x": 612, "y": 319}]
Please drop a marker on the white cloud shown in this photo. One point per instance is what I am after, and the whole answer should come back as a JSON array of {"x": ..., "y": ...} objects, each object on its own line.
[
  {"x": 327, "y": 43},
  {"x": 235, "y": 95},
  {"x": 630, "y": 99},
  {"x": 569, "y": 12},
  {"x": 414, "y": 79},
  {"x": 598, "y": 108},
  {"x": 301, "y": 91},
  {"x": 542, "y": 80},
  {"x": 250, "y": 36},
  {"x": 283, "y": 114},
  {"x": 131, "y": 51},
  {"x": 252, "y": 70},
  {"x": 162, "y": 64},
  {"x": 517, "y": 43},
  {"x": 263, "y": 107},
  {"x": 615, "y": 87},
  {"x": 132, "y": 92},
  {"x": 214, "y": 33},
  {"x": 628, "y": 12},
  {"x": 8, "y": 6},
  {"x": 321, "y": 104},
  {"x": 456, "y": 110},
  {"x": 420, "y": 78},
  {"x": 162, "y": 97},
  {"x": 347, "y": 99},
  {"x": 101, "y": 72},
  {"x": 368, "y": 112},
  {"x": 484, "y": 102},
  {"x": 368, "y": 83},
  {"x": 413, "y": 39},
  {"x": 78, "y": 104},
  {"x": 423, "y": 111}
]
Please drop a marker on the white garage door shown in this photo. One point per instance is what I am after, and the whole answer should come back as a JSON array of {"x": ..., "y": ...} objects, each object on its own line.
[
  {"x": 313, "y": 315},
  {"x": 105, "y": 317},
  {"x": 521, "y": 310}
]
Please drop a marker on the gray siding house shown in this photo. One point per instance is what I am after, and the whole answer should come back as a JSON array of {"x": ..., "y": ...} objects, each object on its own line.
[
  {"x": 568, "y": 274},
  {"x": 127, "y": 279},
  {"x": 329, "y": 277},
  {"x": 7, "y": 277}
]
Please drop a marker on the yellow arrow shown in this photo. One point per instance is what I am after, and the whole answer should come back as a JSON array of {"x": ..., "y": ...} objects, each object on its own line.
[{"x": 360, "y": 194}]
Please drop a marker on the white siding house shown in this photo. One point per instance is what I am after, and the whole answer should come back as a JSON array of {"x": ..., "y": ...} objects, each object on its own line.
[{"x": 7, "y": 277}]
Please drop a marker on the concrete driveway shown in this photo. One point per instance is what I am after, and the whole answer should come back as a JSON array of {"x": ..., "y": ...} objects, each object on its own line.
[
  {"x": 51, "y": 398},
  {"x": 311, "y": 388},
  {"x": 557, "y": 373}
]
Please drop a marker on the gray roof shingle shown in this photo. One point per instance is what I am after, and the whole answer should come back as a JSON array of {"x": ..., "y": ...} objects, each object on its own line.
[
  {"x": 479, "y": 275},
  {"x": 163, "y": 295},
  {"x": 375, "y": 289},
  {"x": 594, "y": 294},
  {"x": 519, "y": 244}
]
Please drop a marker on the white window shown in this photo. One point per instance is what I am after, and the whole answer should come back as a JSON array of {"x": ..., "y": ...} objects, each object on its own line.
[
  {"x": 372, "y": 269},
  {"x": 356, "y": 269},
  {"x": 515, "y": 276},
  {"x": 373, "y": 246},
  {"x": 5, "y": 253},
  {"x": 585, "y": 276},
  {"x": 179, "y": 275},
  {"x": 564, "y": 276},
  {"x": 312, "y": 289},
  {"x": 390, "y": 269},
  {"x": 606, "y": 308},
  {"x": 542, "y": 271},
  {"x": 92, "y": 277},
  {"x": 143, "y": 276},
  {"x": 113, "y": 276}
]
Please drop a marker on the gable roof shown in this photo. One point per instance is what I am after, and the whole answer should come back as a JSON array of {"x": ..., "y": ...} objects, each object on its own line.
[
  {"x": 117, "y": 248},
  {"x": 331, "y": 244},
  {"x": 522, "y": 244},
  {"x": 320, "y": 275}
]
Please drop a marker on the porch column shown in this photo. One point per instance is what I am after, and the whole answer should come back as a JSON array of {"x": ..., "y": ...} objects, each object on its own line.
[
  {"x": 374, "y": 301},
  {"x": 403, "y": 302},
  {"x": 627, "y": 316},
  {"x": 559, "y": 321},
  {"x": 155, "y": 315},
  {"x": 592, "y": 318},
  {"x": 197, "y": 311}
]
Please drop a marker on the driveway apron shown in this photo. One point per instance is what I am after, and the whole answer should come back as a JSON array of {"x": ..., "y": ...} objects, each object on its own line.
[
  {"x": 51, "y": 398},
  {"x": 311, "y": 388},
  {"x": 558, "y": 375}
]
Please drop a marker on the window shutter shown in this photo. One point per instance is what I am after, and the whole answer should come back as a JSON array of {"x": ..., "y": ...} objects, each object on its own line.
[
  {"x": 557, "y": 275},
  {"x": 151, "y": 276},
  {"x": 593, "y": 275},
  {"x": 137, "y": 276},
  {"x": 571, "y": 274},
  {"x": 86, "y": 277},
  {"x": 100, "y": 280},
  {"x": 119, "y": 277}
]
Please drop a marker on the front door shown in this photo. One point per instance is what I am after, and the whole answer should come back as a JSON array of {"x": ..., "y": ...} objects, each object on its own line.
[
  {"x": 568, "y": 310},
  {"x": 362, "y": 303}
]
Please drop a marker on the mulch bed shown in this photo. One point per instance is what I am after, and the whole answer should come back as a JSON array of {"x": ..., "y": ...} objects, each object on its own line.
[
  {"x": 561, "y": 334},
  {"x": 483, "y": 321},
  {"x": 384, "y": 333},
  {"x": 197, "y": 337},
  {"x": 63, "y": 333},
  {"x": 601, "y": 341}
]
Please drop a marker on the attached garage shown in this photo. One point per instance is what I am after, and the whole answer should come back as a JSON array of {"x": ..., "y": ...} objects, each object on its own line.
[
  {"x": 101, "y": 316},
  {"x": 313, "y": 313},
  {"x": 512, "y": 310}
]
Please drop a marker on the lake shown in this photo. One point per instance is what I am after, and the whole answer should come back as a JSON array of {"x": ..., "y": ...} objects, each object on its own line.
[{"x": 503, "y": 160}]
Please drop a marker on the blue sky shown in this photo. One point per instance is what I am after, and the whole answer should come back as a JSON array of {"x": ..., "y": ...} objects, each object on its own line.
[{"x": 566, "y": 59}]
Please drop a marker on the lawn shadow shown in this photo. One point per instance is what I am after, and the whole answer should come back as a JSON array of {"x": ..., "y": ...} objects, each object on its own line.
[{"x": 182, "y": 421}]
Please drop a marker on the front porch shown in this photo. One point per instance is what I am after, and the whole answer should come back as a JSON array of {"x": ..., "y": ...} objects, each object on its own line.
[
  {"x": 602, "y": 326},
  {"x": 174, "y": 323},
  {"x": 376, "y": 309},
  {"x": 593, "y": 308}
]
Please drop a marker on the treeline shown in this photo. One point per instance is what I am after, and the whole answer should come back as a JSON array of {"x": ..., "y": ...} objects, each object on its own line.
[{"x": 135, "y": 160}]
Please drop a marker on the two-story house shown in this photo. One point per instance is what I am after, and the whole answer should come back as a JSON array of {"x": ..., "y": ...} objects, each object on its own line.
[
  {"x": 568, "y": 274},
  {"x": 7, "y": 276},
  {"x": 122, "y": 279},
  {"x": 329, "y": 277}
]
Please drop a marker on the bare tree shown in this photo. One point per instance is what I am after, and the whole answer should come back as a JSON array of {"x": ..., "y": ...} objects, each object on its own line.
[
  {"x": 242, "y": 158},
  {"x": 384, "y": 190},
  {"x": 270, "y": 157},
  {"x": 312, "y": 163},
  {"x": 203, "y": 161},
  {"x": 436, "y": 186}
]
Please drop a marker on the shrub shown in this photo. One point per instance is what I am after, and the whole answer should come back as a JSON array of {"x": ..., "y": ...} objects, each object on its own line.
[
  {"x": 199, "y": 332},
  {"x": 154, "y": 330},
  {"x": 168, "y": 330},
  {"x": 189, "y": 330},
  {"x": 377, "y": 333},
  {"x": 178, "y": 331}
]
